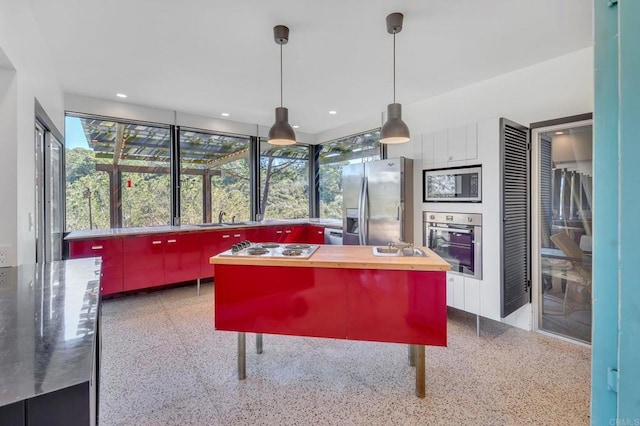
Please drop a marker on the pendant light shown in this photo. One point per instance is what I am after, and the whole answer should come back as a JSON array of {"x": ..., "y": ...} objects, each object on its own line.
[
  {"x": 281, "y": 132},
  {"x": 394, "y": 130}
]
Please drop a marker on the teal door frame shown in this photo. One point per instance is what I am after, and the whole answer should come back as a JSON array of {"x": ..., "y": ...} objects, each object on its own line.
[{"x": 615, "y": 386}]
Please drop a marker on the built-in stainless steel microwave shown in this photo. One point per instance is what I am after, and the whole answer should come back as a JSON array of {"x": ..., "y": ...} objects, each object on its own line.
[{"x": 457, "y": 184}]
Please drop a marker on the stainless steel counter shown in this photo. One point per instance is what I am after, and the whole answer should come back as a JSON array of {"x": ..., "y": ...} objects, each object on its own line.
[
  {"x": 49, "y": 319},
  {"x": 150, "y": 230}
]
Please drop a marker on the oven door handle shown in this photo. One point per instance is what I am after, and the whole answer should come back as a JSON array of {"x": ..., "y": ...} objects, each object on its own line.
[{"x": 453, "y": 230}]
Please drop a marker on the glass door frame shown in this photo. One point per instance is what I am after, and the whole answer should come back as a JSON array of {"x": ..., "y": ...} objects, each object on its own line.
[
  {"x": 536, "y": 271},
  {"x": 43, "y": 197}
]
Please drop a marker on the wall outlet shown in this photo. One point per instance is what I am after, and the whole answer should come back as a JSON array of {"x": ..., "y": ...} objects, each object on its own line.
[{"x": 7, "y": 255}]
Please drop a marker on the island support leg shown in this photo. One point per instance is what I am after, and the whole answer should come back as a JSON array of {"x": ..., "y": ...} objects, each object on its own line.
[
  {"x": 412, "y": 358},
  {"x": 242, "y": 366},
  {"x": 420, "y": 374},
  {"x": 259, "y": 343}
]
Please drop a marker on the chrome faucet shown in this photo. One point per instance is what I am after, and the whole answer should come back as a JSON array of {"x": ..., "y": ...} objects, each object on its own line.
[
  {"x": 406, "y": 249},
  {"x": 221, "y": 216},
  {"x": 233, "y": 219}
]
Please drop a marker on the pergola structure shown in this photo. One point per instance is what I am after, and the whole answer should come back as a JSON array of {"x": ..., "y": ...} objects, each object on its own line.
[{"x": 130, "y": 147}]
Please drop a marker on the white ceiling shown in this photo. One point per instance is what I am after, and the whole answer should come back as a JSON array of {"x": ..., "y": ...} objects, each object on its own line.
[{"x": 211, "y": 56}]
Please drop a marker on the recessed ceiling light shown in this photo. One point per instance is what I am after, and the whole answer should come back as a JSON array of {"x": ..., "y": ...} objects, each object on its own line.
[
  {"x": 333, "y": 112},
  {"x": 225, "y": 114},
  {"x": 296, "y": 127},
  {"x": 121, "y": 95},
  {"x": 559, "y": 133}
]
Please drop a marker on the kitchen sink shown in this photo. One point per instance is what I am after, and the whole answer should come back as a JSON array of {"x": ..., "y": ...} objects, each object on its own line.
[
  {"x": 397, "y": 252},
  {"x": 386, "y": 251},
  {"x": 222, "y": 224}
]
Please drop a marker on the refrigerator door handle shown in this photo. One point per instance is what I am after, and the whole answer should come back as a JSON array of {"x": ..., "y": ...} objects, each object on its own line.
[
  {"x": 365, "y": 211},
  {"x": 401, "y": 219},
  {"x": 360, "y": 196},
  {"x": 361, "y": 235}
]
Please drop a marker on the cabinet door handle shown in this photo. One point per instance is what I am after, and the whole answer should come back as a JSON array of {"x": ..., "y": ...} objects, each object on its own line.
[
  {"x": 226, "y": 236},
  {"x": 156, "y": 242},
  {"x": 278, "y": 232},
  {"x": 236, "y": 235},
  {"x": 288, "y": 231},
  {"x": 96, "y": 247},
  {"x": 171, "y": 241}
]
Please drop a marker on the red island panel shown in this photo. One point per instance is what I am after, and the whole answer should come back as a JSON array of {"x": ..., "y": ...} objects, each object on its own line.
[
  {"x": 398, "y": 306},
  {"x": 277, "y": 300}
]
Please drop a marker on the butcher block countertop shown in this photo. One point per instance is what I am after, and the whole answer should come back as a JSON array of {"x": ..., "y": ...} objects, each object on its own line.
[{"x": 348, "y": 257}]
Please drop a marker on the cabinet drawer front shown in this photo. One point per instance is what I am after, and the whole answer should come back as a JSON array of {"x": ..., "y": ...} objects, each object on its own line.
[
  {"x": 143, "y": 262},
  {"x": 110, "y": 250}
]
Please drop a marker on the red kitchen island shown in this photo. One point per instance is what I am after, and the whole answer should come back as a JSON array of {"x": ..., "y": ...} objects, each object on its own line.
[{"x": 341, "y": 292}]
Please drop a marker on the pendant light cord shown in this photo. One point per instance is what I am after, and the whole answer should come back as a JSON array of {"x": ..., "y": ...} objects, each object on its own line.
[
  {"x": 394, "y": 67},
  {"x": 281, "y": 75}
]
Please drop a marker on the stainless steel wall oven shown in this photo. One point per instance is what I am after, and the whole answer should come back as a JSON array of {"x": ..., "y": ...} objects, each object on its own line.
[{"x": 457, "y": 238}]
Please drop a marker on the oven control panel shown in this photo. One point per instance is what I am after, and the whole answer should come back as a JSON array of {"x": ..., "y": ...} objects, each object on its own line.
[{"x": 474, "y": 219}]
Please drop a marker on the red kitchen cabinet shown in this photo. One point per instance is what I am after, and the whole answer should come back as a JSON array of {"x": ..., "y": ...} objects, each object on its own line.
[
  {"x": 287, "y": 234},
  {"x": 182, "y": 254},
  {"x": 231, "y": 237},
  {"x": 315, "y": 234},
  {"x": 280, "y": 235},
  {"x": 295, "y": 234},
  {"x": 110, "y": 250},
  {"x": 143, "y": 262},
  {"x": 262, "y": 234},
  {"x": 210, "y": 242},
  {"x": 253, "y": 234},
  {"x": 215, "y": 242}
]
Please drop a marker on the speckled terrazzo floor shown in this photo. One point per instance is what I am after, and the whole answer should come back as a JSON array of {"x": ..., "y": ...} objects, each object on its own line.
[{"x": 163, "y": 364}]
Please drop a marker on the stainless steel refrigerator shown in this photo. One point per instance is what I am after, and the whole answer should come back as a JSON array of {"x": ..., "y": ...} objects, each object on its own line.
[{"x": 378, "y": 202}]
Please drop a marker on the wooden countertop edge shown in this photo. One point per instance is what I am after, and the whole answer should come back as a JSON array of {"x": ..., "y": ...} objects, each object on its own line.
[
  {"x": 337, "y": 265},
  {"x": 351, "y": 257}
]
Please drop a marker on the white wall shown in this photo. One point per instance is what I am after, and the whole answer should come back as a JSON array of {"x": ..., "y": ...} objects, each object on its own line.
[
  {"x": 559, "y": 87},
  {"x": 23, "y": 48},
  {"x": 8, "y": 166},
  {"x": 556, "y": 88}
]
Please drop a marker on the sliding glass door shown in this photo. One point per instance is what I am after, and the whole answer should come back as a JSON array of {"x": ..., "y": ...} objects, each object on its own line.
[
  {"x": 49, "y": 179},
  {"x": 563, "y": 235}
]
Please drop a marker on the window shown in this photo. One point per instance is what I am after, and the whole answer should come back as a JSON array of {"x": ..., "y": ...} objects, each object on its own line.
[
  {"x": 214, "y": 178},
  {"x": 284, "y": 181},
  {"x": 335, "y": 154},
  {"x": 117, "y": 174}
]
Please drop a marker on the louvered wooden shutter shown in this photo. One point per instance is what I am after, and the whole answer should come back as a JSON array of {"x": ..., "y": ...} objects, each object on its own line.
[{"x": 515, "y": 216}]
